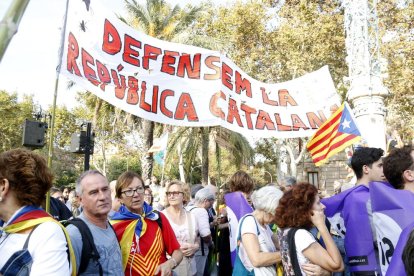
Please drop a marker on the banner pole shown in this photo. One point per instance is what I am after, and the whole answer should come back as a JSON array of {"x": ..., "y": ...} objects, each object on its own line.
[
  {"x": 10, "y": 23},
  {"x": 52, "y": 124}
]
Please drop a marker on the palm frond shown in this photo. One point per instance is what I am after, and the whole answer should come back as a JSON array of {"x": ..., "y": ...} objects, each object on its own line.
[{"x": 139, "y": 13}]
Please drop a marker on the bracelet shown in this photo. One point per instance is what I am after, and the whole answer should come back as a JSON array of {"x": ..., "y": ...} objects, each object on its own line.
[{"x": 174, "y": 261}]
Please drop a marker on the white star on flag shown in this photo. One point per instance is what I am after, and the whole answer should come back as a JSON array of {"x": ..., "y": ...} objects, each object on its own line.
[{"x": 346, "y": 124}]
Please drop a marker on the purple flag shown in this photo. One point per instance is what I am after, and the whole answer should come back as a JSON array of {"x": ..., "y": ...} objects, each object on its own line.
[
  {"x": 237, "y": 207},
  {"x": 396, "y": 267},
  {"x": 392, "y": 212},
  {"x": 348, "y": 215}
]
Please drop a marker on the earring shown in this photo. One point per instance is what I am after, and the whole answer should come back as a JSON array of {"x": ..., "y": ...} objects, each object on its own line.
[{"x": 1, "y": 199}]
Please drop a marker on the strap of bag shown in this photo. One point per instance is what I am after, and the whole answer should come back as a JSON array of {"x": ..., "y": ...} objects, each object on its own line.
[
  {"x": 240, "y": 225},
  {"x": 292, "y": 251},
  {"x": 190, "y": 226},
  {"x": 89, "y": 250},
  {"x": 201, "y": 239},
  {"x": 238, "y": 244},
  {"x": 26, "y": 244},
  {"x": 159, "y": 221}
]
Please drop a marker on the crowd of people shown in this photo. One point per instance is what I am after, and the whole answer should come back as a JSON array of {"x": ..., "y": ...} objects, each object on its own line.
[{"x": 134, "y": 227}]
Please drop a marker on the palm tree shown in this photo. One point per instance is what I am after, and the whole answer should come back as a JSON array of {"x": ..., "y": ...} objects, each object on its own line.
[
  {"x": 187, "y": 141},
  {"x": 157, "y": 19}
]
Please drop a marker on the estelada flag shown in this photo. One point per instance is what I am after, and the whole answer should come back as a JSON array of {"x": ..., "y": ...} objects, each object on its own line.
[
  {"x": 160, "y": 144},
  {"x": 338, "y": 132}
]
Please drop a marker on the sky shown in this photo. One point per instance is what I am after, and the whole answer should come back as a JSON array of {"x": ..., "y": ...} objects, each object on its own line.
[{"x": 29, "y": 63}]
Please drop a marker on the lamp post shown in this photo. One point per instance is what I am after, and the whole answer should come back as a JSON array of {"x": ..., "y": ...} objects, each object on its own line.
[
  {"x": 366, "y": 70},
  {"x": 271, "y": 178}
]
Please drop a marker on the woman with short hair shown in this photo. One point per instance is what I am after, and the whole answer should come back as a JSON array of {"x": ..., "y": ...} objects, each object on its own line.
[
  {"x": 299, "y": 210},
  {"x": 256, "y": 251},
  {"x": 184, "y": 225},
  {"x": 31, "y": 241},
  {"x": 145, "y": 236},
  {"x": 241, "y": 181}
]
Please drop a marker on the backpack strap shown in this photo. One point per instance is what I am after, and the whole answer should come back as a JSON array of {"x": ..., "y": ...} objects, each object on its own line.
[
  {"x": 201, "y": 239},
  {"x": 159, "y": 221},
  {"x": 292, "y": 251},
  {"x": 240, "y": 225},
  {"x": 89, "y": 250},
  {"x": 26, "y": 244}
]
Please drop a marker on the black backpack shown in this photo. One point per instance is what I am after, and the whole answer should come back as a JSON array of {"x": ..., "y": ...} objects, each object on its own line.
[{"x": 89, "y": 250}]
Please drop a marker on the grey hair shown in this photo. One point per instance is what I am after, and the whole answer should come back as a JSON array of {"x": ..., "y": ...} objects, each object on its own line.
[
  {"x": 79, "y": 189},
  {"x": 267, "y": 199},
  {"x": 290, "y": 181},
  {"x": 195, "y": 188},
  {"x": 204, "y": 194}
]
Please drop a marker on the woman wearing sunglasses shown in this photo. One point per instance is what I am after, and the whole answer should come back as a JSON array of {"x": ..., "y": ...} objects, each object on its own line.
[
  {"x": 145, "y": 235},
  {"x": 184, "y": 224}
]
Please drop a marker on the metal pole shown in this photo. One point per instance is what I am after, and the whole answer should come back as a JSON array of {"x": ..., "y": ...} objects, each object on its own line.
[
  {"x": 88, "y": 146},
  {"x": 52, "y": 125},
  {"x": 10, "y": 23},
  {"x": 271, "y": 178}
]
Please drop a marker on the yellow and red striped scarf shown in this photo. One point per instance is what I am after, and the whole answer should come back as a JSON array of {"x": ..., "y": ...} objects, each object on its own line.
[
  {"x": 127, "y": 224},
  {"x": 31, "y": 216}
]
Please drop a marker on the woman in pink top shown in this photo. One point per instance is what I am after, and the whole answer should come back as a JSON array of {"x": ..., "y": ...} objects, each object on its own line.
[{"x": 183, "y": 224}]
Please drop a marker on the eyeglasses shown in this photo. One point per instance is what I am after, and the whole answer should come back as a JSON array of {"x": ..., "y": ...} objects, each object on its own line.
[
  {"x": 139, "y": 190},
  {"x": 169, "y": 194}
]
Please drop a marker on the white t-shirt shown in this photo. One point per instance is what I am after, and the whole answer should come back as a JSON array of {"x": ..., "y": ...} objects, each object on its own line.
[
  {"x": 201, "y": 216},
  {"x": 264, "y": 238},
  {"x": 47, "y": 246},
  {"x": 303, "y": 239}
]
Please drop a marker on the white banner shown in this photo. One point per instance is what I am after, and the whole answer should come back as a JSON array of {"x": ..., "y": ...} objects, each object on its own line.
[{"x": 184, "y": 85}]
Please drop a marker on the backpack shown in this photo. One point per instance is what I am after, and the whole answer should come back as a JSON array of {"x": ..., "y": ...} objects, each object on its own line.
[
  {"x": 89, "y": 250},
  {"x": 20, "y": 262},
  {"x": 159, "y": 221}
]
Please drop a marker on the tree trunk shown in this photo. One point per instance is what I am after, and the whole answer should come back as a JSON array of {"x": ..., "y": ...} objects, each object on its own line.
[
  {"x": 98, "y": 105},
  {"x": 181, "y": 162},
  {"x": 205, "y": 138},
  {"x": 147, "y": 136}
]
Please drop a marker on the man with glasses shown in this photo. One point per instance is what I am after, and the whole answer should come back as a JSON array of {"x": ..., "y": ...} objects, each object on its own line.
[
  {"x": 95, "y": 198},
  {"x": 204, "y": 200}
]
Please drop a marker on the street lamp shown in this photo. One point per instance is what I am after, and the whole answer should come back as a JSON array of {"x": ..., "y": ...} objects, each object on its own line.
[{"x": 271, "y": 178}]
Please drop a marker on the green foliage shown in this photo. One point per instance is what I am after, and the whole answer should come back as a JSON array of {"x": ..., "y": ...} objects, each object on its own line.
[
  {"x": 13, "y": 114},
  {"x": 306, "y": 35},
  {"x": 397, "y": 27},
  {"x": 119, "y": 164},
  {"x": 268, "y": 149},
  {"x": 66, "y": 167},
  {"x": 65, "y": 126}
]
